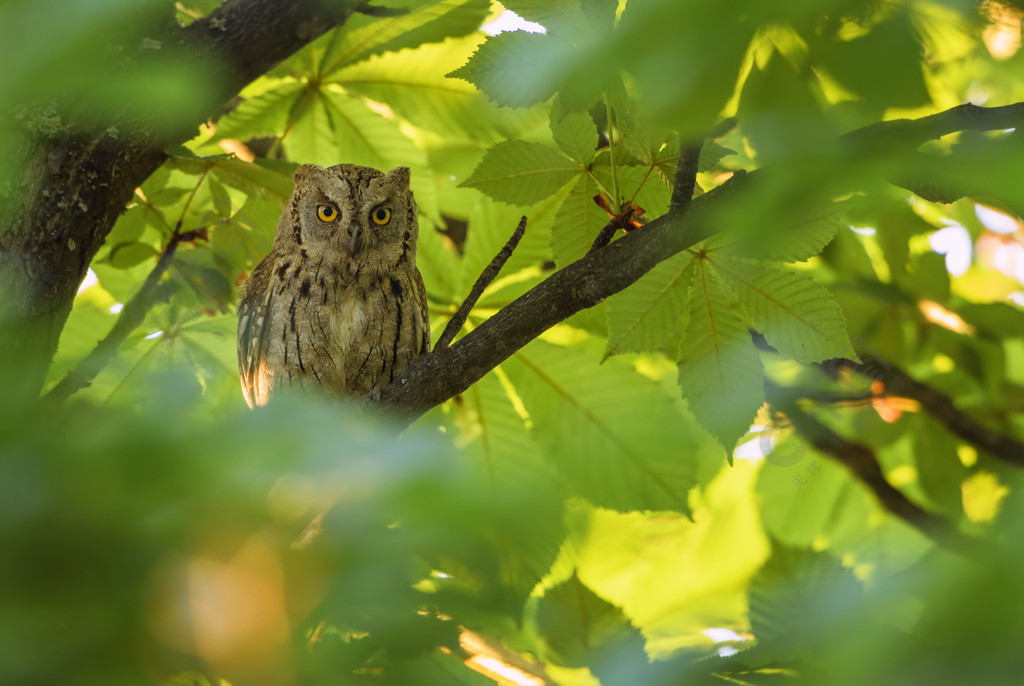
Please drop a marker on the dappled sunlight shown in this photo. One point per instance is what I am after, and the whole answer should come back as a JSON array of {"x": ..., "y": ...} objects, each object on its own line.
[
  {"x": 485, "y": 660},
  {"x": 1003, "y": 36},
  {"x": 983, "y": 494},
  {"x": 941, "y": 315},
  {"x": 954, "y": 242},
  {"x": 770, "y": 434}
]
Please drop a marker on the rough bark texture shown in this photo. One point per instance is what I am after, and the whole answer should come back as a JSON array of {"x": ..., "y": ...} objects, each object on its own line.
[{"x": 71, "y": 187}]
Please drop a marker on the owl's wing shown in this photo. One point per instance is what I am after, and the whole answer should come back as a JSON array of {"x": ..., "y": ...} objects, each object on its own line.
[{"x": 253, "y": 332}]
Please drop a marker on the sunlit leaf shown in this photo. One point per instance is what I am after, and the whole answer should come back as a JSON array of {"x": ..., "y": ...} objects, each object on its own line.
[
  {"x": 795, "y": 314},
  {"x": 595, "y": 424},
  {"x": 510, "y": 68},
  {"x": 720, "y": 370},
  {"x": 575, "y": 134},
  {"x": 648, "y": 315},
  {"x": 521, "y": 173},
  {"x": 420, "y": 23}
]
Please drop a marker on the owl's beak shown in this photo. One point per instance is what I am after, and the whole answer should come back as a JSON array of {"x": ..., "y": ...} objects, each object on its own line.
[{"x": 353, "y": 238}]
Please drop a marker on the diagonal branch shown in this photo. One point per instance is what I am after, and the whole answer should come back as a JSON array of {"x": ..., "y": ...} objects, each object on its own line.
[
  {"x": 900, "y": 383},
  {"x": 861, "y": 461},
  {"x": 910, "y": 133}
]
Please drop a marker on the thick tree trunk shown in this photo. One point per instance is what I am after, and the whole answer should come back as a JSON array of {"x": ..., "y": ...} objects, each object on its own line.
[{"x": 71, "y": 188}]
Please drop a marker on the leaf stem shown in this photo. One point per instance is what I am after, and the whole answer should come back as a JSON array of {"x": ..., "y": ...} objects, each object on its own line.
[{"x": 615, "y": 200}]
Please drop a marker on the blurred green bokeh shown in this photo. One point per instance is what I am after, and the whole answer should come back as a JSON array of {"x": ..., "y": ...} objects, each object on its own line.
[{"x": 575, "y": 508}]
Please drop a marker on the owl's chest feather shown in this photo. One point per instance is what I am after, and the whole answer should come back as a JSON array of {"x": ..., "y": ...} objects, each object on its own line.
[{"x": 344, "y": 336}]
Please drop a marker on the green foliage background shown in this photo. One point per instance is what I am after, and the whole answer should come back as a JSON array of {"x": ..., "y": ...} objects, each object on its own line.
[{"x": 581, "y": 504}]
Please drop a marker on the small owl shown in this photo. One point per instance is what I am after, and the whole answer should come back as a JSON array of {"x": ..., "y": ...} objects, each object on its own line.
[{"x": 338, "y": 304}]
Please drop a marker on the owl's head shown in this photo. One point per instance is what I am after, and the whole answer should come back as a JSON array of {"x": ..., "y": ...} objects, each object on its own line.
[{"x": 358, "y": 213}]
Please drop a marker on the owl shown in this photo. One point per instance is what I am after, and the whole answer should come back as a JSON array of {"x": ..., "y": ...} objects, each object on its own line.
[{"x": 338, "y": 304}]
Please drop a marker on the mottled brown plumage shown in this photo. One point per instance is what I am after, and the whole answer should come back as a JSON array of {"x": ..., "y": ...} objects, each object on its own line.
[{"x": 338, "y": 304}]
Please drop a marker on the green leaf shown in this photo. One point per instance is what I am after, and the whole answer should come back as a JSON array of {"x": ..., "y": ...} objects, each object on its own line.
[
  {"x": 617, "y": 437},
  {"x": 131, "y": 225},
  {"x": 798, "y": 235},
  {"x": 711, "y": 153},
  {"x": 490, "y": 226},
  {"x": 432, "y": 22},
  {"x": 168, "y": 196},
  {"x": 265, "y": 178},
  {"x": 882, "y": 66},
  {"x": 577, "y": 222},
  {"x": 575, "y": 133},
  {"x": 221, "y": 199},
  {"x": 795, "y": 314},
  {"x": 516, "y": 68},
  {"x": 265, "y": 114},
  {"x": 650, "y": 145},
  {"x": 127, "y": 255},
  {"x": 521, "y": 173},
  {"x": 210, "y": 285},
  {"x": 646, "y": 316},
  {"x": 940, "y": 472},
  {"x": 336, "y": 127},
  {"x": 634, "y": 560},
  {"x": 559, "y": 17},
  {"x": 798, "y": 598},
  {"x": 508, "y": 460},
  {"x": 576, "y": 624},
  {"x": 781, "y": 118},
  {"x": 805, "y": 495},
  {"x": 712, "y": 40},
  {"x": 413, "y": 86},
  {"x": 720, "y": 370}
]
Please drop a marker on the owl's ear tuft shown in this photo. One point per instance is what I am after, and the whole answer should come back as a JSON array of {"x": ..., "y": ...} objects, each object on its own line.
[
  {"x": 398, "y": 175},
  {"x": 306, "y": 171}
]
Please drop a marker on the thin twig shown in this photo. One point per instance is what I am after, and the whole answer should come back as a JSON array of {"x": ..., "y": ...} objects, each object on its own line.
[
  {"x": 604, "y": 236},
  {"x": 686, "y": 176},
  {"x": 615, "y": 199},
  {"x": 485, "y": 279},
  {"x": 899, "y": 383},
  {"x": 861, "y": 461}
]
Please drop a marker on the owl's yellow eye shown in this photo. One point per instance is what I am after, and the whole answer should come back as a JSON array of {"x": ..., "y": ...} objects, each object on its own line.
[
  {"x": 381, "y": 216},
  {"x": 327, "y": 213}
]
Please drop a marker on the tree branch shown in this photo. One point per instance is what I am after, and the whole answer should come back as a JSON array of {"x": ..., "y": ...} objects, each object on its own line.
[
  {"x": 910, "y": 133},
  {"x": 686, "y": 175},
  {"x": 442, "y": 374},
  {"x": 45, "y": 249},
  {"x": 898, "y": 382},
  {"x": 485, "y": 279},
  {"x": 131, "y": 317},
  {"x": 861, "y": 461}
]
